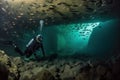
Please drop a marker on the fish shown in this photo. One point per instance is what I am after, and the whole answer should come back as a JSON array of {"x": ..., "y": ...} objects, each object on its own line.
[
  {"x": 21, "y": 14},
  {"x": 30, "y": 19},
  {"x": 4, "y": 9},
  {"x": 15, "y": 18},
  {"x": 31, "y": 14}
]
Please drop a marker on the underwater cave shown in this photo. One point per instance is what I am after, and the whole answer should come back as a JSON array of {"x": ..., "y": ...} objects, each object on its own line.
[
  {"x": 68, "y": 33},
  {"x": 70, "y": 27}
]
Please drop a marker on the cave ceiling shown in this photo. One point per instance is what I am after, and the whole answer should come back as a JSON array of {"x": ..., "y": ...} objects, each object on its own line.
[{"x": 29, "y": 12}]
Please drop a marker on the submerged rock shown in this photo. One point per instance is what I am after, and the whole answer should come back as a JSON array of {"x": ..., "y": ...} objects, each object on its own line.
[
  {"x": 7, "y": 61},
  {"x": 18, "y": 61},
  {"x": 4, "y": 72},
  {"x": 56, "y": 70},
  {"x": 37, "y": 73},
  {"x": 27, "y": 75},
  {"x": 52, "y": 69},
  {"x": 67, "y": 73},
  {"x": 85, "y": 73},
  {"x": 44, "y": 74}
]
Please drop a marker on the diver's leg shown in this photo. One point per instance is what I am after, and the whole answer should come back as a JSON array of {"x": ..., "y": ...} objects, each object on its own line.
[
  {"x": 26, "y": 57},
  {"x": 18, "y": 50},
  {"x": 6, "y": 42},
  {"x": 27, "y": 53}
]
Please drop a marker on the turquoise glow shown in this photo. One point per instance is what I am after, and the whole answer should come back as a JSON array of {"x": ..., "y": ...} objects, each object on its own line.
[
  {"x": 74, "y": 37},
  {"x": 66, "y": 39}
]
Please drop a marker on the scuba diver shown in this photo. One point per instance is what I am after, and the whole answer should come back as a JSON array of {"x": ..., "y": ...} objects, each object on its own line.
[{"x": 34, "y": 44}]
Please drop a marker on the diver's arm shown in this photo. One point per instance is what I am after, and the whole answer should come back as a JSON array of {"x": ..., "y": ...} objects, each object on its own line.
[{"x": 42, "y": 48}]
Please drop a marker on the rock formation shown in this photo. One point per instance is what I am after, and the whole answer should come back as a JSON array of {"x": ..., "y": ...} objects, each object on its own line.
[
  {"x": 57, "y": 11},
  {"x": 11, "y": 67},
  {"x": 4, "y": 72},
  {"x": 58, "y": 69}
]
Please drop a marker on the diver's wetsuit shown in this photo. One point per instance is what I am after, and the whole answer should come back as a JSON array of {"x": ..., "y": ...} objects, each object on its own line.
[{"x": 31, "y": 47}]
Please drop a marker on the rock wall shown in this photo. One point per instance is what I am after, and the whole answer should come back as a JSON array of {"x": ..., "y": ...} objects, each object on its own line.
[{"x": 57, "y": 11}]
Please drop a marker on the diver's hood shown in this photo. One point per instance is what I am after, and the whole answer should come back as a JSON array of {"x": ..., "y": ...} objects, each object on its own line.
[{"x": 39, "y": 38}]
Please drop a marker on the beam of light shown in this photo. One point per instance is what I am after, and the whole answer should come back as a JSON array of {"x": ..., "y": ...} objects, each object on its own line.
[
  {"x": 86, "y": 31},
  {"x": 75, "y": 36}
]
